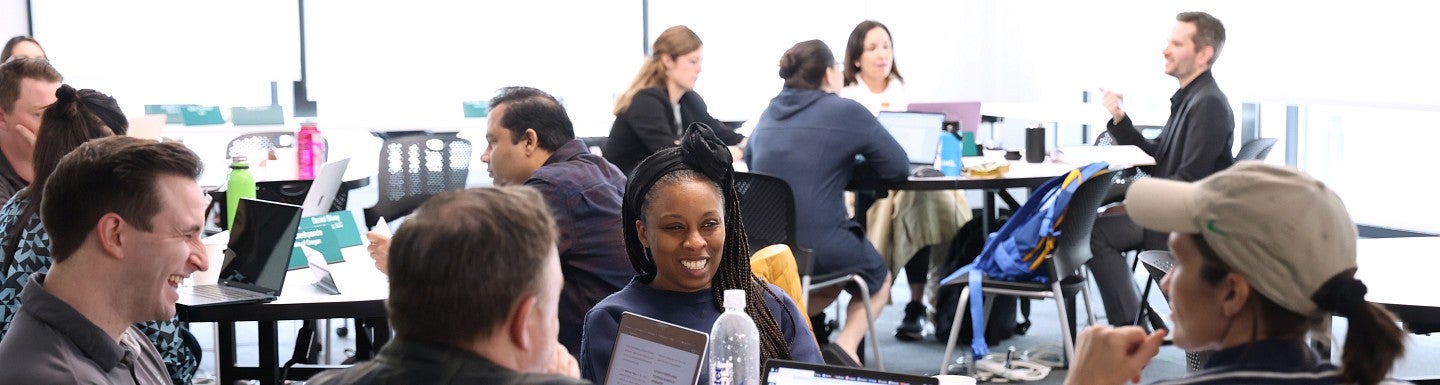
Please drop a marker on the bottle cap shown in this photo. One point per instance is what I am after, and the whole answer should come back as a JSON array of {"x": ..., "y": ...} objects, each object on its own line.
[
  {"x": 735, "y": 298},
  {"x": 239, "y": 161}
]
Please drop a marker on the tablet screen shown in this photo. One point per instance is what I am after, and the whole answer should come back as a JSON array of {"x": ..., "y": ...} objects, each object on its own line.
[{"x": 650, "y": 351}]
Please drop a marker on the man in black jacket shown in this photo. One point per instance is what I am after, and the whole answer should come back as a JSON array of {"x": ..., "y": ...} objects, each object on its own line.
[{"x": 1195, "y": 143}]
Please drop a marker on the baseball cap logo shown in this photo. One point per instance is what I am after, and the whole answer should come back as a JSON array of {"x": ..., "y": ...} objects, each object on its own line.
[{"x": 1210, "y": 226}]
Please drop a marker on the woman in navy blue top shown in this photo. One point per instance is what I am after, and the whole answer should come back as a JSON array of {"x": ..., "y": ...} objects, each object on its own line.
[
  {"x": 814, "y": 139},
  {"x": 681, "y": 220}
]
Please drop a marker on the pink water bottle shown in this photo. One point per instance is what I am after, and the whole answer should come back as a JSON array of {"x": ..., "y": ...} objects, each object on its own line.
[{"x": 309, "y": 149}]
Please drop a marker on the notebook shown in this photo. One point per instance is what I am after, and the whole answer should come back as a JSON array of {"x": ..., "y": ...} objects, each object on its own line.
[
  {"x": 917, "y": 132},
  {"x": 323, "y": 189},
  {"x": 259, "y": 250},
  {"x": 782, "y": 372},
  {"x": 651, "y": 351}
]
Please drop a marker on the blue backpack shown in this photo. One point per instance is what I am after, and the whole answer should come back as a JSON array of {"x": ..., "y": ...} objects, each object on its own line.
[{"x": 1019, "y": 250}]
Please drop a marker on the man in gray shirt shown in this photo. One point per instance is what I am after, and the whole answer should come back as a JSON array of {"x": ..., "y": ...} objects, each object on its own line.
[{"x": 124, "y": 216}]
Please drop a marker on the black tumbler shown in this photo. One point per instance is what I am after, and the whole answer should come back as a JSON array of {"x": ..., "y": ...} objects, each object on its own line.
[{"x": 1035, "y": 144}]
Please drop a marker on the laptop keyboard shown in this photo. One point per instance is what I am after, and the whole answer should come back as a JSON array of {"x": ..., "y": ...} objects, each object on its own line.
[{"x": 219, "y": 293}]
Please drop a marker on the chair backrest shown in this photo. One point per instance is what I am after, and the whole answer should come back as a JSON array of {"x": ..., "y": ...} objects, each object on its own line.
[
  {"x": 414, "y": 168},
  {"x": 1257, "y": 149},
  {"x": 767, "y": 207},
  {"x": 596, "y": 144},
  {"x": 251, "y": 143},
  {"x": 254, "y": 142},
  {"x": 1072, "y": 246}
]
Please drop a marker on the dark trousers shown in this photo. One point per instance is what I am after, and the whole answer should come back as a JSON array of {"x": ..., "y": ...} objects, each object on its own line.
[{"x": 1114, "y": 234}]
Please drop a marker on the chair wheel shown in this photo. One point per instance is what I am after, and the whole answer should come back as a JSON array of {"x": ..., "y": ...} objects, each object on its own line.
[{"x": 342, "y": 331}]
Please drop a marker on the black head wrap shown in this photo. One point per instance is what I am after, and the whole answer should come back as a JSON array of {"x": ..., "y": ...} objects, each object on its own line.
[{"x": 701, "y": 151}]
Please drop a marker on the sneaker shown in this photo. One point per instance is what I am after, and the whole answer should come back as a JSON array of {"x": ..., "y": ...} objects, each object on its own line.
[{"x": 912, "y": 327}]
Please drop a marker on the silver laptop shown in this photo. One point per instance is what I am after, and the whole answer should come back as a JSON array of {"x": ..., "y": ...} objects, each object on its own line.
[
  {"x": 324, "y": 187},
  {"x": 917, "y": 132},
  {"x": 782, "y": 372},
  {"x": 255, "y": 261}
]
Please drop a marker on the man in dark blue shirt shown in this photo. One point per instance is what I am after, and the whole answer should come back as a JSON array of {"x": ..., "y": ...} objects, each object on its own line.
[{"x": 531, "y": 141}]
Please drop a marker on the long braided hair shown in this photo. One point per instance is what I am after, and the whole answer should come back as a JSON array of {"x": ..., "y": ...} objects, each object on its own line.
[{"x": 701, "y": 152}]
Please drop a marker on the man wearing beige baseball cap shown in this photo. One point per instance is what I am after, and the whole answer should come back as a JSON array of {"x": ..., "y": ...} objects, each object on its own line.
[{"x": 1263, "y": 254}]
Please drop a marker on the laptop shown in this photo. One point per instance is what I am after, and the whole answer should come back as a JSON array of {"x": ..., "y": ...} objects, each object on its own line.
[
  {"x": 917, "y": 132},
  {"x": 324, "y": 188},
  {"x": 965, "y": 117},
  {"x": 782, "y": 372},
  {"x": 642, "y": 339},
  {"x": 255, "y": 259}
]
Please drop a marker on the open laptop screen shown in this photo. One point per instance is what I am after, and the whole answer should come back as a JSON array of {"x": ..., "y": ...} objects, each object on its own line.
[
  {"x": 917, "y": 132},
  {"x": 260, "y": 244}
]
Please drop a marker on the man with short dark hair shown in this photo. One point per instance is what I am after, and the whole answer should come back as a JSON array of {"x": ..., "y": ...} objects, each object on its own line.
[
  {"x": 474, "y": 283},
  {"x": 125, "y": 217},
  {"x": 27, "y": 87},
  {"x": 531, "y": 141},
  {"x": 1194, "y": 144}
]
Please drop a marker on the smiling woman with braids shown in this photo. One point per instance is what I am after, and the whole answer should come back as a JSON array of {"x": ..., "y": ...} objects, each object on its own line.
[{"x": 680, "y": 209}]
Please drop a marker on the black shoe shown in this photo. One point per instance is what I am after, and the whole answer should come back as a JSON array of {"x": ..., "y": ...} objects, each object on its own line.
[{"x": 912, "y": 327}]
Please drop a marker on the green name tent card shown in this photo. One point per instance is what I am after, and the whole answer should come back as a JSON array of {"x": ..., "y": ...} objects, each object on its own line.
[
  {"x": 171, "y": 111},
  {"x": 263, "y": 115},
  {"x": 326, "y": 233},
  {"x": 193, "y": 115},
  {"x": 476, "y": 109}
]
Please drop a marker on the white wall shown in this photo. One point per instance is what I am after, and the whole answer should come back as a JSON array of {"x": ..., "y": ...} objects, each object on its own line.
[
  {"x": 14, "y": 18},
  {"x": 223, "y": 52},
  {"x": 1364, "y": 67}
]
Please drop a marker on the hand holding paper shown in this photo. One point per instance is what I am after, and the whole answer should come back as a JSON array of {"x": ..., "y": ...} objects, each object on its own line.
[{"x": 379, "y": 237}]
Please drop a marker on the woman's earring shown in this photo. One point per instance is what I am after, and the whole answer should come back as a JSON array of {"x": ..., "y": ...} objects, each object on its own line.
[{"x": 649, "y": 257}]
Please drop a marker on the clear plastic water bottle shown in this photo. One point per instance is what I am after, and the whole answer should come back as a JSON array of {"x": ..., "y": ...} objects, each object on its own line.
[
  {"x": 240, "y": 184},
  {"x": 734, "y": 345},
  {"x": 309, "y": 149}
]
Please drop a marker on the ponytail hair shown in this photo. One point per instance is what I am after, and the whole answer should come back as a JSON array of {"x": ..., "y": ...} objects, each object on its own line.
[
  {"x": 701, "y": 156},
  {"x": 1373, "y": 340},
  {"x": 803, "y": 66},
  {"x": 76, "y": 117},
  {"x": 675, "y": 42}
]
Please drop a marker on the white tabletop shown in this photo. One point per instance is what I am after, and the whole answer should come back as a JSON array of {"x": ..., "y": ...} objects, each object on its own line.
[{"x": 1396, "y": 270}]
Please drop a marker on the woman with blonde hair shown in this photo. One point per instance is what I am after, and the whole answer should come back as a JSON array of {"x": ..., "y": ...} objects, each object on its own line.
[{"x": 662, "y": 101}]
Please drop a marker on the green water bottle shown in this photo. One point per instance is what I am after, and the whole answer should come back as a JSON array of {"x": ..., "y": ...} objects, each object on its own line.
[{"x": 240, "y": 184}]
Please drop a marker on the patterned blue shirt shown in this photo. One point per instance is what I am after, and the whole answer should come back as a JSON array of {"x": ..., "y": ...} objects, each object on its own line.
[
  {"x": 584, "y": 192},
  {"x": 177, "y": 346}
]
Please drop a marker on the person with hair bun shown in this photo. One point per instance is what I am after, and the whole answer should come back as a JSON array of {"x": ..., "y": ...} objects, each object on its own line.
[
  {"x": 687, "y": 243},
  {"x": 1263, "y": 254},
  {"x": 76, "y": 117},
  {"x": 811, "y": 137},
  {"x": 662, "y": 101}
]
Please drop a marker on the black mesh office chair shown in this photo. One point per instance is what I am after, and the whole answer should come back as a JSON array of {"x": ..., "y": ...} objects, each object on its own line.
[
  {"x": 1065, "y": 268},
  {"x": 255, "y": 142},
  {"x": 1257, "y": 149},
  {"x": 767, "y": 206},
  {"x": 414, "y": 168}
]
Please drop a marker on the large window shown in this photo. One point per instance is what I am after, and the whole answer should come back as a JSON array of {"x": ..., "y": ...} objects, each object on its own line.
[
  {"x": 411, "y": 64},
  {"x": 222, "y": 52}
]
